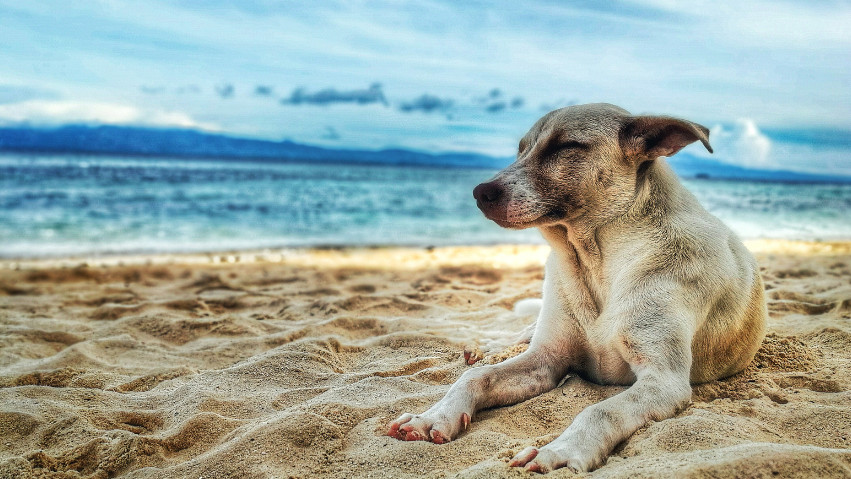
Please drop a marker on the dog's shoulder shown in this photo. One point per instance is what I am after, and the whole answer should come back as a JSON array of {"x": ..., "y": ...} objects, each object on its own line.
[{"x": 678, "y": 238}]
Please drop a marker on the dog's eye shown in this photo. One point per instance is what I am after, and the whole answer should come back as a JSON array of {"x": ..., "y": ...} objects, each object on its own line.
[
  {"x": 557, "y": 147},
  {"x": 568, "y": 145}
]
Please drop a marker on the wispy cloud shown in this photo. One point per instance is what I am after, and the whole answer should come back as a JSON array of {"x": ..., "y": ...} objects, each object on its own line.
[
  {"x": 263, "y": 90},
  {"x": 427, "y": 103},
  {"x": 225, "y": 90},
  {"x": 496, "y": 107},
  {"x": 44, "y": 112},
  {"x": 495, "y": 101},
  {"x": 328, "y": 96}
]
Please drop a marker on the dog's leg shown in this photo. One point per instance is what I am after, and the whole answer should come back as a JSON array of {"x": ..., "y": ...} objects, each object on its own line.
[
  {"x": 661, "y": 365},
  {"x": 524, "y": 307},
  {"x": 475, "y": 353},
  {"x": 535, "y": 371}
]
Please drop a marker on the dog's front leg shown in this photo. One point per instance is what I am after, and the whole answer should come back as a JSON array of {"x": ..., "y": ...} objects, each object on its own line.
[
  {"x": 531, "y": 373},
  {"x": 661, "y": 364}
]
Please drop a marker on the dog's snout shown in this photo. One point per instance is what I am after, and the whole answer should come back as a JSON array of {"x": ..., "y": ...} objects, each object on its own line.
[{"x": 488, "y": 192}]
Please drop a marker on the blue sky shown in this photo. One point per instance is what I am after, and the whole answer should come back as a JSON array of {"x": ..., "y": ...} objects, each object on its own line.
[{"x": 770, "y": 78}]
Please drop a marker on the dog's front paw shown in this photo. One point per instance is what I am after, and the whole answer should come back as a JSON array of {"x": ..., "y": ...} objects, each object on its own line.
[
  {"x": 546, "y": 459},
  {"x": 437, "y": 428}
]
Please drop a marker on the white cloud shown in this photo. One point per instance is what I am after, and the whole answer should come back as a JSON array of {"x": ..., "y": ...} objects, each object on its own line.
[
  {"x": 742, "y": 144},
  {"x": 45, "y": 112}
]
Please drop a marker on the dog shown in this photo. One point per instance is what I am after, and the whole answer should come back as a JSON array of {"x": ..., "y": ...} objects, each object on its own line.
[{"x": 643, "y": 286}]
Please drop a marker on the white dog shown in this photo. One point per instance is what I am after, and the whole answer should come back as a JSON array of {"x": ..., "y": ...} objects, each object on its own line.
[{"x": 643, "y": 286}]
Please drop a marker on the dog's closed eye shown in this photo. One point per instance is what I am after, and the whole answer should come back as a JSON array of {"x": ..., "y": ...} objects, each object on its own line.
[{"x": 556, "y": 147}]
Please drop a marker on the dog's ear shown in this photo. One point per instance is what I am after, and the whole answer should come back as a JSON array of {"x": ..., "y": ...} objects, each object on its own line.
[{"x": 649, "y": 137}]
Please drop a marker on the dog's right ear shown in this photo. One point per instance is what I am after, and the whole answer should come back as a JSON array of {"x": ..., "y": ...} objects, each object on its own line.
[{"x": 649, "y": 137}]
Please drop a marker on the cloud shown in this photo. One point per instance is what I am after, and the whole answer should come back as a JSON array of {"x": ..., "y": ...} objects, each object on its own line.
[
  {"x": 225, "y": 91},
  {"x": 427, "y": 104},
  {"x": 742, "y": 144},
  {"x": 496, "y": 107},
  {"x": 328, "y": 96},
  {"x": 263, "y": 90},
  {"x": 330, "y": 134},
  {"x": 495, "y": 101},
  {"x": 42, "y": 112}
]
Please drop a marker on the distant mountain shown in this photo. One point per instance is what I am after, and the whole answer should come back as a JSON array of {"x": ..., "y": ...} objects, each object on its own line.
[
  {"x": 136, "y": 141},
  {"x": 690, "y": 166}
]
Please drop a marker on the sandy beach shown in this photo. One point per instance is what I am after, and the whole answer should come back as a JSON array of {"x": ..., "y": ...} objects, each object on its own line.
[{"x": 289, "y": 364}]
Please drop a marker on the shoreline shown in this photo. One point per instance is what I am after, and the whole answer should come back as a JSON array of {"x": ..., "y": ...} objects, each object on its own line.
[{"x": 498, "y": 255}]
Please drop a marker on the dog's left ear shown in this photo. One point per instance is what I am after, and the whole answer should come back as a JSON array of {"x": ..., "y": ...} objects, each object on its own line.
[{"x": 650, "y": 137}]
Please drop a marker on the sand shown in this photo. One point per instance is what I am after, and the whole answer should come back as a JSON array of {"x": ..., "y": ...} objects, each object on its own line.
[{"x": 291, "y": 363}]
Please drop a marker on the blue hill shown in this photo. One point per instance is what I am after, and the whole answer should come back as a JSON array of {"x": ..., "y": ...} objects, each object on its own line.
[{"x": 137, "y": 141}]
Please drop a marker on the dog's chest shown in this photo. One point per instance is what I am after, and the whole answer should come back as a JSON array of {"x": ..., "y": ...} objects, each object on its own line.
[
  {"x": 583, "y": 290},
  {"x": 584, "y": 296}
]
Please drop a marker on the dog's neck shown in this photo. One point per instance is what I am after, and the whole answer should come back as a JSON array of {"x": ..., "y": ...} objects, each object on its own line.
[
  {"x": 657, "y": 194},
  {"x": 575, "y": 240},
  {"x": 582, "y": 241}
]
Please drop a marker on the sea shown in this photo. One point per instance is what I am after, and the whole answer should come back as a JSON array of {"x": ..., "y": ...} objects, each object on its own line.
[{"x": 72, "y": 205}]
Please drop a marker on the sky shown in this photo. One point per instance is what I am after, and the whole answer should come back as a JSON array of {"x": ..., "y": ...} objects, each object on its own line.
[{"x": 770, "y": 78}]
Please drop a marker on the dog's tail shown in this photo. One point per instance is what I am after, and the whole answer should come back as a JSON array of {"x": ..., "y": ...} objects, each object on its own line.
[{"x": 528, "y": 307}]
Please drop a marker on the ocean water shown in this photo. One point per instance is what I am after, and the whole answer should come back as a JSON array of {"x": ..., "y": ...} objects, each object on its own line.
[{"x": 95, "y": 205}]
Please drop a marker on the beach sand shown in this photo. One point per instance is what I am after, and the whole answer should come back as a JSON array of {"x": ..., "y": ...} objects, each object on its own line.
[{"x": 290, "y": 364}]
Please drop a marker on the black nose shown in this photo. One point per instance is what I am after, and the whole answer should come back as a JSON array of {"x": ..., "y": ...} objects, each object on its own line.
[{"x": 488, "y": 192}]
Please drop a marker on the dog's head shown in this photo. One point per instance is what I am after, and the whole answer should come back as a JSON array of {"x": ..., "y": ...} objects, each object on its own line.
[{"x": 582, "y": 161}]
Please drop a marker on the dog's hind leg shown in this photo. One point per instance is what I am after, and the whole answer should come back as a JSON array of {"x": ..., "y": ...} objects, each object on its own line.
[
  {"x": 490, "y": 350},
  {"x": 509, "y": 346}
]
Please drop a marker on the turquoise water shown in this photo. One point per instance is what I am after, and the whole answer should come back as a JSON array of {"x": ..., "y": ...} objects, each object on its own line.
[{"x": 76, "y": 205}]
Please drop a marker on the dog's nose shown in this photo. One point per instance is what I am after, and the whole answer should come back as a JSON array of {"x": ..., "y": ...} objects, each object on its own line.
[{"x": 488, "y": 192}]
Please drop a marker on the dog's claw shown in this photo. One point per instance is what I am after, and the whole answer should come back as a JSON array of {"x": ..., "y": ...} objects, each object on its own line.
[
  {"x": 523, "y": 457},
  {"x": 437, "y": 437}
]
